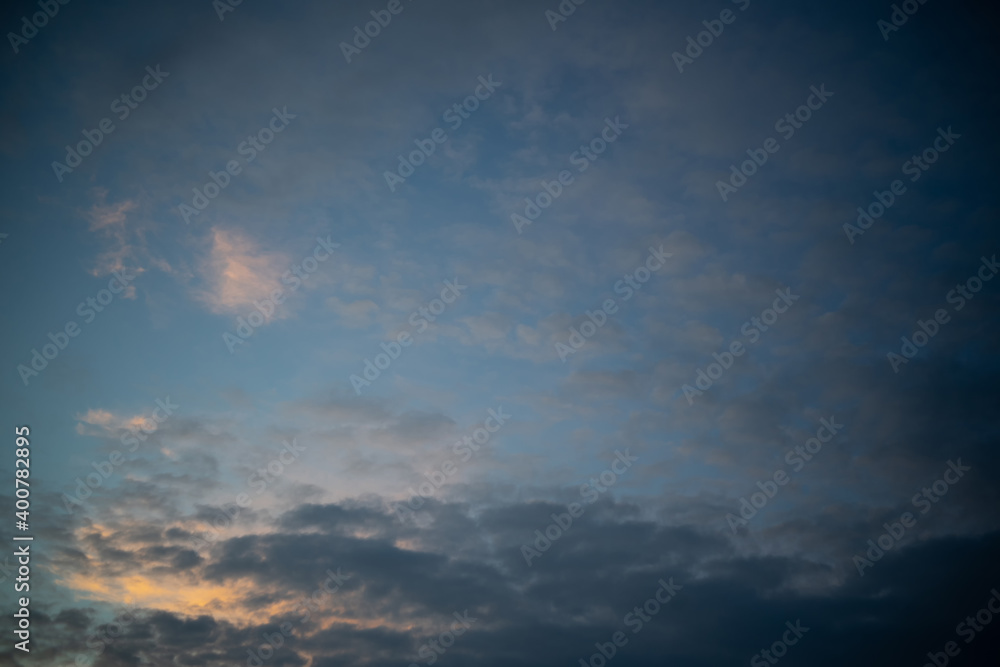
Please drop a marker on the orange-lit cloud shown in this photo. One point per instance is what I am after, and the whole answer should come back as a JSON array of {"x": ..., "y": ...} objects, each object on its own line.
[
  {"x": 187, "y": 593},
  {"x": 104, "y": 422}
]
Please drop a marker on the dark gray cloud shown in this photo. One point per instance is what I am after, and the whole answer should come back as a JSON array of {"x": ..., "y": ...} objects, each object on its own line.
[{"x": 732, "y": 603}]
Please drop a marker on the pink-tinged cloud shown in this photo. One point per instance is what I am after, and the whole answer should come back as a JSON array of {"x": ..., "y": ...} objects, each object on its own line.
[{"x": 238, "y": 272}]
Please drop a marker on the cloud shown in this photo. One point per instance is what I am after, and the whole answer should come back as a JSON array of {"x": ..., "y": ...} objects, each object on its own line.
[
  {"x": 237, "y": 272},
  {"x": 104, "y": 422},
  {"x": 207, "y": 607},
  {"x": 400, "y": 586},
  {"x": 126, "y": 239}
]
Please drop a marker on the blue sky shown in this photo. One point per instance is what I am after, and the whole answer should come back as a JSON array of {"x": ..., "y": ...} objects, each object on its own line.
[{"x": 319, "y": 182}]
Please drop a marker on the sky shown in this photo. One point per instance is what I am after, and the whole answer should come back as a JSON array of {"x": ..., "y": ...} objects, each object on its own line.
[{"x": 417, "y": 332}]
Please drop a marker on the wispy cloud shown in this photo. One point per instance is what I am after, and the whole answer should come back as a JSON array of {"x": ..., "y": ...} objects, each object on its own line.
[{"x": 115, "y": 223}]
